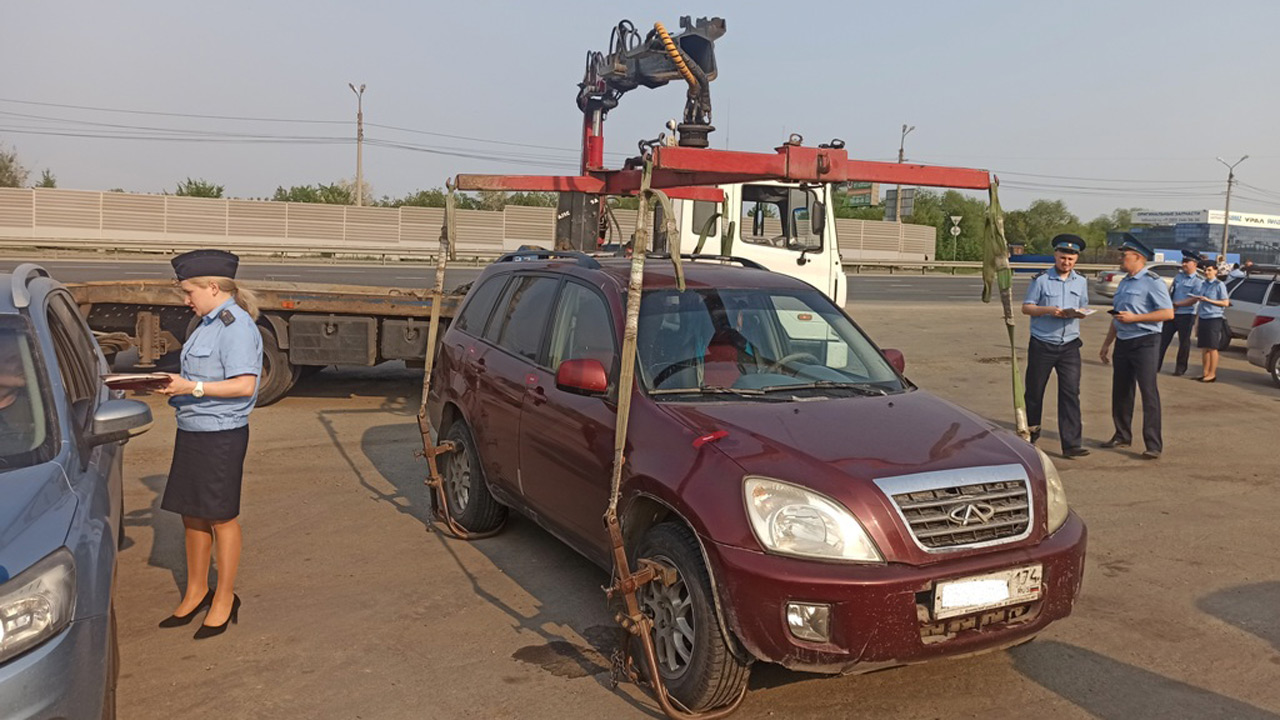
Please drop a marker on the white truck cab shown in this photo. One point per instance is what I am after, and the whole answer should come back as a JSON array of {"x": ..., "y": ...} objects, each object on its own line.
[{"x": 786, "y": 227}]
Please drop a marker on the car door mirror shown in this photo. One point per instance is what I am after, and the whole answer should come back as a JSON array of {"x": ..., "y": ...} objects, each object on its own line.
[
  {"x": 896, "y": 359},
  {"x": 584, "y": 377},
  {"x": 118, "y": 420},
  {"x": 819, "y": 218}
]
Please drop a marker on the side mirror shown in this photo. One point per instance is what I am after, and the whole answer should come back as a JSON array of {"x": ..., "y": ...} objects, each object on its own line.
[
  {"x": 896, "y": 359},
  {"x": 584, "y": 377},
  {"x": 660, "y": 239},
  {"x": 757, "y": 220},
  {"x": 819, "y": 217},
  {"x": 118, "y": 420}
]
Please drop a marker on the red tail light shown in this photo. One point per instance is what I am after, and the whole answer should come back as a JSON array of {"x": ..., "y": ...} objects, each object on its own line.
[{"x": 1262, "y": 320}]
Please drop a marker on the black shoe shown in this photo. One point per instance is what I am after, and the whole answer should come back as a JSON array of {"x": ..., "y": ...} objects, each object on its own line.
[
  {"x": 1150, "y": 454},
  {"x": 179, "y": 620},
  {"x": 1116, "y": 442},
  {"x": 208, "y": 631},
  {"x": 1035, "y": 435},
  {"x": 1074, "y": 452},
  {"x": 1179, "y": 373}
]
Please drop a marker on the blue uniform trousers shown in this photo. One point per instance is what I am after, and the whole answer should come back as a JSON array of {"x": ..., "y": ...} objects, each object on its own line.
[
  {"x": 1042, "y": 359},
  {"x": 1181, "y": 326},
  {"x": 1135, "y": 364}
]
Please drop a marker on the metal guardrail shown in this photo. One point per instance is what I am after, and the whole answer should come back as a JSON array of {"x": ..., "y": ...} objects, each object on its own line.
[{"x": 923, "y": 267}]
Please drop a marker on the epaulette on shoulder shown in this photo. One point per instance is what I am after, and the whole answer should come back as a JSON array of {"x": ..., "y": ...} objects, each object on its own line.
[
  {"x": 1040, "y": 274},
  {"x": 226, "y": 317}
]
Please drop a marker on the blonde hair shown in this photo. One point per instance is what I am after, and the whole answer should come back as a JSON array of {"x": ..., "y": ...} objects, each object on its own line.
[{"x": 244, "y": 296}]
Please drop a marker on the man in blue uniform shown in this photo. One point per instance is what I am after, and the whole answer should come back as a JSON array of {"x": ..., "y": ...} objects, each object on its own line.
[
  {"x": 1140, "y": 305},
  {"x": 1053, "y": 301},
  {"x": 1186, "y": 284}
]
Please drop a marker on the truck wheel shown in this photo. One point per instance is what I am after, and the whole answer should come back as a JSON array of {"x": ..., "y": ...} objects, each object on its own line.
[
  {"x": 693, "y": 659},
  {"x": 470, "y": 502},
  {"x": 1273, "y": 366},
  {"x": 277, "y": 374}
]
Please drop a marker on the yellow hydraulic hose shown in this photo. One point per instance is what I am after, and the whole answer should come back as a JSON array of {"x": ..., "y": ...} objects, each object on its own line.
[{"x": 676, "y": 57}]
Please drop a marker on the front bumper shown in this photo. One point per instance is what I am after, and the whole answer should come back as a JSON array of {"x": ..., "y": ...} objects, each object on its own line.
[
  {"x": 63, "y": 678},
  {"x": 881, "y": 614}
]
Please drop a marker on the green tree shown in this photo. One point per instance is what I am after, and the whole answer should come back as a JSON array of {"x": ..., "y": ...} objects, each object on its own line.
[
  {"x": 12, "y": 172},
  {"x": 936, "y": 209},
  {"x": 1036, "y": 226},
  {"x": 332, "y": 194},
  {"x": 534, "y": 199},
  {"x": 198, "y": 188},
  {"x": 47, "y": 180}
]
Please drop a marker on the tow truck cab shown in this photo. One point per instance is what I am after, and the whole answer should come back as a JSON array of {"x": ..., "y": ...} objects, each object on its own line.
[{"x": 786, "y": 227}]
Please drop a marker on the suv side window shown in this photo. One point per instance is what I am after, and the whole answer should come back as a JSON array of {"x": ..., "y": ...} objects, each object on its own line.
[
  {"x": 479, "y": 306},
  {"x": 521, "y": 317},
  {"x": 27, "y": 435},
  {"x": 1250, "y": 290},
  {"x": 77, "y": 359},
  {"x": 582, "y": 329},
  {"x": 1273, "y": 298}
]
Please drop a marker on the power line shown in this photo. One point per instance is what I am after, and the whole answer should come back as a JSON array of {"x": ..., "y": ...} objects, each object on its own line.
[{"x": 173, "y": 114}]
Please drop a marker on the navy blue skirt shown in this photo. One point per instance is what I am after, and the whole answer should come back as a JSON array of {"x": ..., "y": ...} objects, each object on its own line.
[
  {"x": 206, "y": 474},
  {"x": 1210, "y": 332}
]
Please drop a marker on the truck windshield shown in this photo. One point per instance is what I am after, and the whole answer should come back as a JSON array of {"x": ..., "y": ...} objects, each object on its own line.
[
  {"x": 761, "y": 340},
  {"x": 779, "y": 216},
  {"x": 24, "y": 425}
]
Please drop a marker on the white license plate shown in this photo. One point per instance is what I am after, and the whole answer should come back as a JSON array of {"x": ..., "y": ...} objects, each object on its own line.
[{"x": 983, "y": 592}]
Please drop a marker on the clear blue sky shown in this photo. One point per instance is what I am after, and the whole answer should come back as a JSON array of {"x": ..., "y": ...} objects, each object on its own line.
[{"x": 1114, "y": 103}]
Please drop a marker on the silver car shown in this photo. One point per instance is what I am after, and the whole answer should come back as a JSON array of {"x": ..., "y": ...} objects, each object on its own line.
[
  {"x": 1248, "y": 296},
  {"x": 1264, "y": 341},
  {"x": 61, "y": 432},
  {"x": 1105, "y": 282}
]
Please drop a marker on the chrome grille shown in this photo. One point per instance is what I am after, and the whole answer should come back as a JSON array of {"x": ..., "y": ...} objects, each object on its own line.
[{"x": 968, "y": 507}]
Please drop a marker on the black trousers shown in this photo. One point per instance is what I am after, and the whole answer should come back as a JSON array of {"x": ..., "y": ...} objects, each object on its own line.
[
  {"x": 1043, "y": 358},
  {"x": 1134, "y": 365},
  {"x": 1181, "y": 326}
]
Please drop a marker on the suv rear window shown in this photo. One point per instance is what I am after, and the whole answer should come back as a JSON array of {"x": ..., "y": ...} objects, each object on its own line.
[
  {"x": 26, "y": 428},
  {"x": 521, "y": 317},
  {"x": 1250, "y": 290},
  {"x": 479, "y": 306}
]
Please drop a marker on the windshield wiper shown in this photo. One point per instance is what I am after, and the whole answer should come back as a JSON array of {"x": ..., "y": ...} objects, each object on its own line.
[
  {"x": 707, "y": 391},
  {"x": 860, "y": 388}
]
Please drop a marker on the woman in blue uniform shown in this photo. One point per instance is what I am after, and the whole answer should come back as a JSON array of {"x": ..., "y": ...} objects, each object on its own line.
[
  {"x": 1213, "y": 298},
  {"x": 212, "y": 398}
]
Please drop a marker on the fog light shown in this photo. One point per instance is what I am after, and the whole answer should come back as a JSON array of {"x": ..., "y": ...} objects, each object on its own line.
[{"x": 809, "y": 621}]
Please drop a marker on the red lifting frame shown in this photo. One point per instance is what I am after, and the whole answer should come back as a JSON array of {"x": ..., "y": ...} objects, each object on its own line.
[{"x": 689, "y": 172}]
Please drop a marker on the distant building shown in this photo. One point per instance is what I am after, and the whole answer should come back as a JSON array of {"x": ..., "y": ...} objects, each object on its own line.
[{"x": 1255, "y": 237}]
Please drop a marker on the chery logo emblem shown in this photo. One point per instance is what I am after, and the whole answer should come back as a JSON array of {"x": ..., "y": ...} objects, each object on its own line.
[{"x": 973, "y": 513}]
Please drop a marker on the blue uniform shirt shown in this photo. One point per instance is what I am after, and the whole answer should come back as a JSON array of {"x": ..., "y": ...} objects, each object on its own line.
[
  {"x": 1049, "y": 289},
  {"x": 1215, "y": 290},
  {"x": 217, "y": 351},
  {"x": 1184, "y": 286},
  {"x": 1140, "y": 294}
]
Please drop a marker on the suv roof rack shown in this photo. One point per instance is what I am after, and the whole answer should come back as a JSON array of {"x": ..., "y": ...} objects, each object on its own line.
[
  {"x": 1260, "y": 269},
  {"x": 525, "y": 255},
  {"x": 744, "y": 262},
  {"x": 22, "y": 276}
]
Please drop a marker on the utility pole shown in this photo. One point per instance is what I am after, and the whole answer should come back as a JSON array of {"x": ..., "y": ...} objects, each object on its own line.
[
  {"x": 897, "y": 200},
  {"x": 359, "y": 142},
  {"x": 1226, "y": 214}
]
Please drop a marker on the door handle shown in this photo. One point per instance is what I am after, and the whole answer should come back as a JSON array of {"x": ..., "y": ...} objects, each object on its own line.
[{"x": 537, "y": 395}]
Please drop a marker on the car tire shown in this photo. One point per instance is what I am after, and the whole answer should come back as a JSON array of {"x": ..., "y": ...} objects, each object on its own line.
[
  {"x": 695, "y": 662},
  {"x": 278, "y": 375},
  {"x": 1273, "y": 365},
  {"x": 113, "y": 668},
  {"x": 471, "y": 504}
]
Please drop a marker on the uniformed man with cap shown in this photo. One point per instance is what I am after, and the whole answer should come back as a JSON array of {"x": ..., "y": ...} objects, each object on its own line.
[
  {"x": 1186, "y": 285},
  {"x": 1140, "y": 305},
  {"x": 1053, "y": 301}
]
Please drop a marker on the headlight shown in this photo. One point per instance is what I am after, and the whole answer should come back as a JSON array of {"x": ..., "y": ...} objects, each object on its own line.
[
  {"x": 37, "y": 604},
  {"x": 1057, "y": 497},
  {"x": 790, "y": 520}
]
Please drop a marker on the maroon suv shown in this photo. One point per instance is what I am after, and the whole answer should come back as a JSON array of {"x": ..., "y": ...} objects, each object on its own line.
[{"x": 820, "y": 510}]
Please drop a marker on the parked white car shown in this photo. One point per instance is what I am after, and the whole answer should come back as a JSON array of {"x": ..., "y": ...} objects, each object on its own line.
[
  {"x": 1249, "y": 295},
  {"x": 1264, "y": 341}
]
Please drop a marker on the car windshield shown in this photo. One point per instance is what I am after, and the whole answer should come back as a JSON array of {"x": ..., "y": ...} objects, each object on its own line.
[
  {"x": 24, "y": 426},
  {"x": 755, "y": 344}
]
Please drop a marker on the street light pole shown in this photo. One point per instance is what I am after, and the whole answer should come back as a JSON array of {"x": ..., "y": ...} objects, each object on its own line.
[
  {"x": 359, "y": 142},
  {"x": 1226, "y": 213},
  {"x": 897, "y": 196}
]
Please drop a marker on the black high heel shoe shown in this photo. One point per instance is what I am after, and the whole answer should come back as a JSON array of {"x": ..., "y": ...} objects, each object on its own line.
[
  {"x": 208, "y": 631},
  {"x": 179, "y": 620}
]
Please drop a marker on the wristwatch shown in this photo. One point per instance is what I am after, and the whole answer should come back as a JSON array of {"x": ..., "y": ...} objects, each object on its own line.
[{"x": 199, "y": 389}]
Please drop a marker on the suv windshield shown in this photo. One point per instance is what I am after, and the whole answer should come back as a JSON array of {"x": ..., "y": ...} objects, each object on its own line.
[
  {"x": 24, "y": 425},
  {"x": 779, "y": 216},
  {"x": 759, "y": 342}
]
